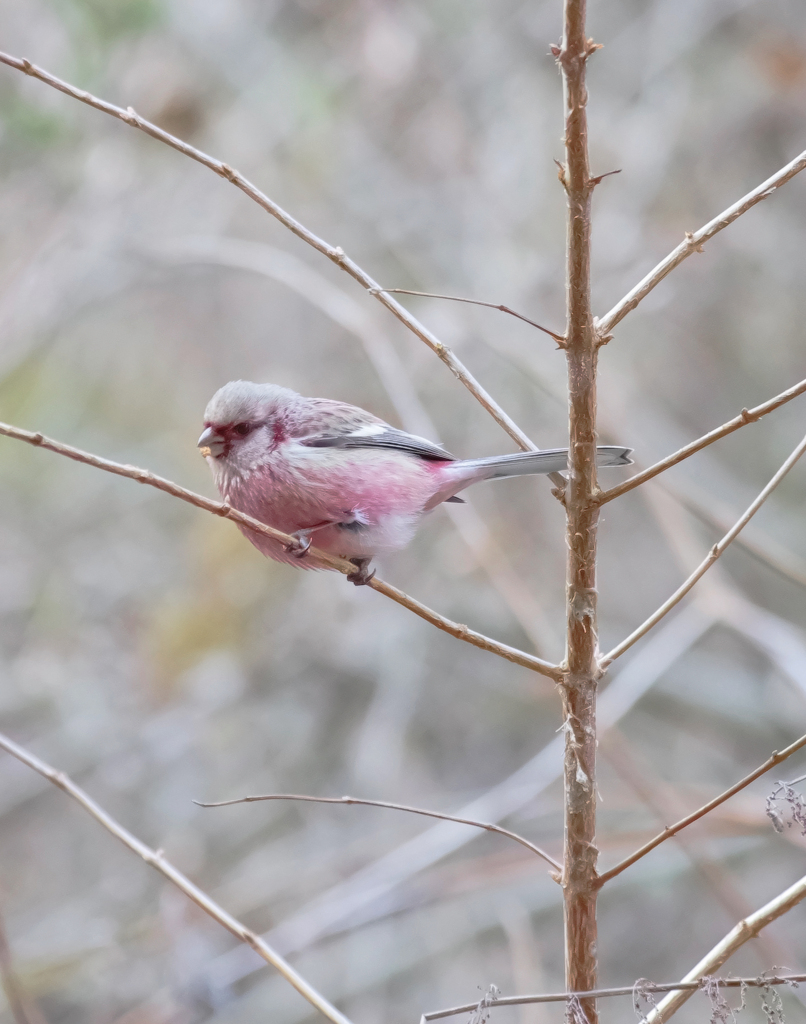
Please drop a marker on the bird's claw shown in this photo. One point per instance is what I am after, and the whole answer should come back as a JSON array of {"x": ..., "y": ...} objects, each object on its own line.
[
  {"x": 301, "y": 544},
  {"x": 362, "y": 575}
]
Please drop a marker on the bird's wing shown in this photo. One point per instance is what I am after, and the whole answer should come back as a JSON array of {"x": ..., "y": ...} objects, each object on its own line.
[
  {"x": 329, "y": 424},
  {"x": 379, "y": 436}
]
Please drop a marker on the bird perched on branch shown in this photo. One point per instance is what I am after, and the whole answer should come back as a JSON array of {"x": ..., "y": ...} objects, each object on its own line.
[{"x": 313, "y": 467}]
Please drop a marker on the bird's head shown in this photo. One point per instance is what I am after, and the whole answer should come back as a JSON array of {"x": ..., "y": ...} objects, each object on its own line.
[{"x": 243, "y": 422}]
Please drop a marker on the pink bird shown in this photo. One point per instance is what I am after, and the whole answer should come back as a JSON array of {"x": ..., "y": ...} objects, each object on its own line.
[{"x": 315, "y": 466}]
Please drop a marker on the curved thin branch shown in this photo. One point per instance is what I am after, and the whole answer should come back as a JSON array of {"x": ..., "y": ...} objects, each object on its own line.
[
  {"x": 707, "y": 562},
  {"x": 321, "y": 559},
  {"x": 156, "y": 859},
  {"x": 559, "y": 338},
  {"x": 639, "y": 987},
  {"x": 745, "y": 416},
  {"x": 392, "y": 807},
  {"x": 671, "y": 830},
  {"x": 333, "y": 253},
  {"x": 694, "y": 242},
  {"x": 744, "y": 931}
]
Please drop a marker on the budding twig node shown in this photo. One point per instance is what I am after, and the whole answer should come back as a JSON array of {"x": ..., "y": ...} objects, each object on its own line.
[{"x": 134, "y": 118}]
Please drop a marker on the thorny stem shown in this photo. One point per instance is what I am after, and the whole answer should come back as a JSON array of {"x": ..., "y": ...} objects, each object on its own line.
[{"x": 578, "y": 687}]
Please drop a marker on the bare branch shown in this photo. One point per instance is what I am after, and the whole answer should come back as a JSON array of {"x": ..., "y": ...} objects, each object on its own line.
[
  {"x": 706, "y": 564},
  {"x": 392, "y": 807},
  {"x": 559, "y": 338},
  {"x": 672, "y": 830},
  {"x": 624, "y": 990},
  {"x": 694, "y": 243},
  {"x": 333, "y": 253},
  {"x": 321, "y": 559},
  {"x": 156, "y": 859},
  {"x": 744, "y": 931},
  {"x": 745, "y": 416}
]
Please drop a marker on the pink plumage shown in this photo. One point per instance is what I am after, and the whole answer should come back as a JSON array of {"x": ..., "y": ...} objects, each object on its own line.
[{"x": 321, "y": 469}]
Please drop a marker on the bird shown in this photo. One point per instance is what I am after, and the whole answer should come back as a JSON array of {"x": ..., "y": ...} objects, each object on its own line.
[{"x": 320, "y": 469}]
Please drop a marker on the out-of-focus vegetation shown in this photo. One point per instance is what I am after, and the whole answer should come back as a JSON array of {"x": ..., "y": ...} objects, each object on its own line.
[{"x": 147, "y": 649}]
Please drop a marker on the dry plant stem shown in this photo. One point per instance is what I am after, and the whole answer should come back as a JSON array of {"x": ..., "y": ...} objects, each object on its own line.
[
  {"x": 477, "y": 302},
  {"x": 707, "y": 562},
  {"x": 672, "y": 830},
  {"x": 694, "y": 242},
  {"x": 745, "y": 416},
  {"x": 333, "y": 253},
  {"x": 392, "y": 807},
  {"x": 319, "y": 558},
  {"x": 158, "y": 861},
  {"x": 744, "y": 931},
  {"x": 578, "y": 687},
  {"x": 624, "y": 990}
]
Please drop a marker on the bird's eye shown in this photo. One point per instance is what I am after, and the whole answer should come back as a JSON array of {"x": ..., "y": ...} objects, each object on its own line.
[{"x": 242, "y": 429}]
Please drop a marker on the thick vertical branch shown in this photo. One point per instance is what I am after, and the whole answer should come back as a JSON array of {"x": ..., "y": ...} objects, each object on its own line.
[{"x": 579, "y": 684}]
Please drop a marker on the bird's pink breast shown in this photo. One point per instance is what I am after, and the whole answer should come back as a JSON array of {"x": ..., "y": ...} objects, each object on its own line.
[{"x": 385, "y": 493}]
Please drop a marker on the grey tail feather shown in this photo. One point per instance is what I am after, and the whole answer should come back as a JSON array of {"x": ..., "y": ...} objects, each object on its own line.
[{"x": 550, "y": 460}]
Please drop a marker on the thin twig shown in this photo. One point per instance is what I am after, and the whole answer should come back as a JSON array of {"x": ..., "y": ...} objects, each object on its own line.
[
  {"x": 671, "y": 830},
  {"x": 706, "y": 564},
  {"x": 744, "y": 931},
  {"x": 333, "y": 253},
  {"x": 392, "y": 807},
  {"x": 693, "y": 242},
  {"x": 624, "y": 990},
  {"x": 321, "y": 559},
  {"x": 156, "y": 859},
  {"x": 559, "y": 338},
  {"x": 745, "y": 416}
]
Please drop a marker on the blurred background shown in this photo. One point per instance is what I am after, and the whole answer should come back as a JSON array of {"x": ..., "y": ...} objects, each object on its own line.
[{"x": 148, "y": 650}]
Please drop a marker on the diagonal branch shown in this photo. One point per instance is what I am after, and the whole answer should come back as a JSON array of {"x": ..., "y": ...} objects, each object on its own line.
[
  {"x": 672, "y": 830},
  {"x": 321, "y": 559},
  {"x": 334, "y": 253},
  {"x": 693, "y": 242},
  {"x": 392, "y": 807},
  {"x": 744, "y": 931},
  {"x": 745, "y": 416},
  {"x": 158, "y": 861},
  {"x": 707, "y": 562}
]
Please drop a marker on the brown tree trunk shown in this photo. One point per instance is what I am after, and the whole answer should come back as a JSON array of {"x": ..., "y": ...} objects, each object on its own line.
[{"x": 580, "y": 682}]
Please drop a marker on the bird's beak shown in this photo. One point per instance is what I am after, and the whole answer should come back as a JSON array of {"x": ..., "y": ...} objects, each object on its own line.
[{"x": 211, "y": 442}]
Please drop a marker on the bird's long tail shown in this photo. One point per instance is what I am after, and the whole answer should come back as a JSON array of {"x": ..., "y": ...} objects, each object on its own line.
[
  {"x": 456, "y": 476},
  {"x": 550, "y": 460}
]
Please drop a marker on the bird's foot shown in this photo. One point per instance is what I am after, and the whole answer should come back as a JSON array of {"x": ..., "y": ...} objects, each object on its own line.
[
  {"x": 362, "y": 575},
  {"x": 301, "y": 544}
]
